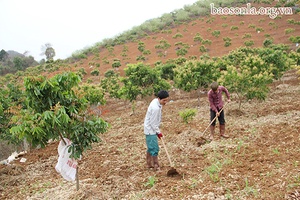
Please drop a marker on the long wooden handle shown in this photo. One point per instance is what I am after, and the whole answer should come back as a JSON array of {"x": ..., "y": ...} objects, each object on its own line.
[
  {"x": 166, "y": 151},
  {"x": 213, "y": 120}
]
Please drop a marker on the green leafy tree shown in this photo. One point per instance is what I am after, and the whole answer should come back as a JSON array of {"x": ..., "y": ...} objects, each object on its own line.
[
  {"x": 167, "y": 70},
  {"x": 111, "y": 84},
  {"x": 245, "y": 83},
  {"x": 3, "y": 55},
  {"x": 141, "y": 46},
  {"x": 181, "y": 52},
  {"x": 18, "y": 63},
  {"x": 250, "y": 70},
  {"x": 95, "y": 72},
  {"x": 193, "y": 75},
  {"x": 276, "y": 58},
  {"x": 116, "y": 63},
  {"x": 141, "y": 80},
  {"x": 198, "y": 38},
  {"x": 48, "y": 51},
  {"x": 295, "y": 56},
  {"x": 8, "y": 108},
  {"x": 267, "y": 42},
  {"x": 54, "y": 111}
]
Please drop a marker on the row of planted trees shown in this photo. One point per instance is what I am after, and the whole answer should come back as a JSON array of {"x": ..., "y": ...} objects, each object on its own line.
[
  {"x": 55, "y": 108},
  {"x": 245, "y": 71}
]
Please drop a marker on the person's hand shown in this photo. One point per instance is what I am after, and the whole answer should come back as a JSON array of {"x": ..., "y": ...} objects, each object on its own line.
[
  {"x": 159, "y": 135},
  {"x": 218, "y": 114},
  {"x": 228, "y": 100}
]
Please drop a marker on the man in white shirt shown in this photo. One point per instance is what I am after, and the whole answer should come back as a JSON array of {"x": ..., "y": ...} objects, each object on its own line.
[{"x": 151, "y": 128}]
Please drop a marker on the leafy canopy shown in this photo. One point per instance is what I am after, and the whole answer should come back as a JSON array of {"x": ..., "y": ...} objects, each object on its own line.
[{"x": 55, "y": 111}]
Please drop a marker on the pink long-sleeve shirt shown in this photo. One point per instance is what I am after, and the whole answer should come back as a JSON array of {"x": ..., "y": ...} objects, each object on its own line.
[{"x": 215, "y": 98}]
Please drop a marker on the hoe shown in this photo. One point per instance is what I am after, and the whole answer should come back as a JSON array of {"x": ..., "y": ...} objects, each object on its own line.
[{"x": 172, "y": 171}]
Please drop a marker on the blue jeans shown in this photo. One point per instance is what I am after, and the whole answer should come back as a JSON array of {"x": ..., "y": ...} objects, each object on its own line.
[{"x": 152, "y": 145}]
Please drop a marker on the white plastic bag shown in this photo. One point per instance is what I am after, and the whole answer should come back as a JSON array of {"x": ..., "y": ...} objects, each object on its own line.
[{"x": 66, "y": 166}]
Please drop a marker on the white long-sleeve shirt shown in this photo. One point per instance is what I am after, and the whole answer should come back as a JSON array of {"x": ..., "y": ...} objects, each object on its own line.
[{"x": 153, "y": 118}]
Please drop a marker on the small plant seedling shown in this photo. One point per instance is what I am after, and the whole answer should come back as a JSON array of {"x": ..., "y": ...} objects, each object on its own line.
[
  {"x": 151, "y": 181},
  {"x": 187, "y": 115}
]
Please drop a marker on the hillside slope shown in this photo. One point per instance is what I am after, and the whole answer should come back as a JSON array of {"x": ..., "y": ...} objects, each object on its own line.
[
  {"x": 260, "y": 160},
  {"x": 240, "y": 29}
]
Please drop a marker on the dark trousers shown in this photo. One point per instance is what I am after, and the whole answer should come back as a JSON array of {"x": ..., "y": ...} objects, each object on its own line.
[{"x": 221, "y": 117}]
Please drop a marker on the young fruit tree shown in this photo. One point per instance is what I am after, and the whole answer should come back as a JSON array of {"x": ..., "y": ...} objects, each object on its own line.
[
  {"x": 11, "y": 100},
  {"x": 246, "y": 84},
  {"x": 249, "y": 71},
  {"x": 111, "y": 84},
  {"x": 141, "y": 80},
  {"x": 56, "y": 108},
  {"x": 193, "y": 75}
]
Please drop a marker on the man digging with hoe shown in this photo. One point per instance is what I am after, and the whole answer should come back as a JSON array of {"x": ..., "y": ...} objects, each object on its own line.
[
  {"x": 216, "y": 108},
  {"x": 151, "y": 128}
]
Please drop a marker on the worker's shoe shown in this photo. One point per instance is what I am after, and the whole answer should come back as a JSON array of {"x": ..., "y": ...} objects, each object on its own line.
[
  {"x": 155, "y": 161},
  {"x": 222, "y": 131},
  {"x": 149, "y": 160},
  {"x": 212, "y": 132}
]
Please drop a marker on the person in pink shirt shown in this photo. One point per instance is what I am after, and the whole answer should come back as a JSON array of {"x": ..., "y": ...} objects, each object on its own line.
[{"x": 216, "y": 104}]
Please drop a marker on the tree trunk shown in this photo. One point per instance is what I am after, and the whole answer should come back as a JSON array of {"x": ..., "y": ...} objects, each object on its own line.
[{"x": 77, "y": 179}]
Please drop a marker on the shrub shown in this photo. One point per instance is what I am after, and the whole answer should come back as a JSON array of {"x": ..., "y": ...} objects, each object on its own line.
[
  {"x": 259, "y": 29},
  {"x": 95, "y": 72},
  {"x": 289, "y": 30},
  {"x": 146, "y": 52},
  {"x": 109, "y": 73},
  {"x": 187, "y": 115},
  {"x": 116, "y": 63},
  {"x": 227, "y": 41},
  {"x": 206, "y": 42},
  {"x": 267, "y": 42},
  {"x": 202, "y": 49},
  {"x": 251, "y": 26},
  {"x": 224, "y": 25},
  {"x": 82, "y": 71},
  {"x": 249, "y": 43},
  {"x": 198, "y": 38},
  {"x": 181, "y": 52},
  {"x": 216, "y": 33},
  {"x": 247, "y": 35},
  {"x": 141, "y": 58},
  {"x": 105, "y": 61},
  {"x": 295, "y": 39},
  {"x": 234, "y": 28},
  {"x": 290, "y": 21},
  {"x": 177, "y": 35}
]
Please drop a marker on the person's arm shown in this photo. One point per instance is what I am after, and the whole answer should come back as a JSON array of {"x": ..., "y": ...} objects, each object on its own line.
[
  {"x": 211, "y": 102},
  {"x": 155, "y": 120},
  {"x": 227, "y": 94}
]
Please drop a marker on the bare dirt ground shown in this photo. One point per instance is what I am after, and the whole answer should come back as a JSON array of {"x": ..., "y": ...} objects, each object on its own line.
[{"x": 260, "y": 160}]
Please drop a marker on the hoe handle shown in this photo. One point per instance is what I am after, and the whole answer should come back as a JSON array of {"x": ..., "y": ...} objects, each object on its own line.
[
  {"x": 166, "y": 151},
  {"x": 213, "y": 120}
]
